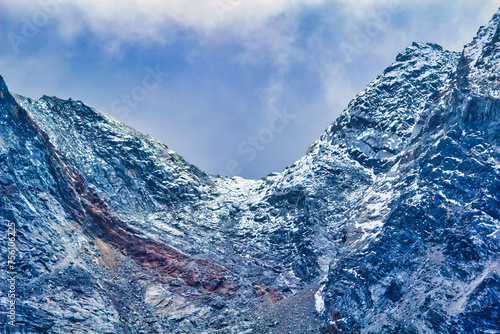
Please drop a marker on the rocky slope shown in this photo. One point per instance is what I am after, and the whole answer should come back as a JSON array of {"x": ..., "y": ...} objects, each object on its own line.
[
  {"x": 433, "y": 264},
  {"x": 389, "y": 223}
]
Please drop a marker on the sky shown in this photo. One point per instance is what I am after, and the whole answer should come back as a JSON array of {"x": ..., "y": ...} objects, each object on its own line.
[{"x": 237, "y": 87}]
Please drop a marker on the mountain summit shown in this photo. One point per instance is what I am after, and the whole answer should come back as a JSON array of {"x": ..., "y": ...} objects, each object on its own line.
[{"x": 389, "y": 224}]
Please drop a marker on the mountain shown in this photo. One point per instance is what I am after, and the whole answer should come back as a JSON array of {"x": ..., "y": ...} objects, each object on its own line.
[{"x": 389, "y": 224}]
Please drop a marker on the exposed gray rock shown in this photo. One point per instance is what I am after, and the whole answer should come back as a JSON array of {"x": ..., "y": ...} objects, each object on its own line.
[{"x": 389, "y": 223}]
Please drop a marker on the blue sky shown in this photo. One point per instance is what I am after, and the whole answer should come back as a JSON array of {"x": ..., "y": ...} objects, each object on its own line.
[{"x": 237, "y": 87}]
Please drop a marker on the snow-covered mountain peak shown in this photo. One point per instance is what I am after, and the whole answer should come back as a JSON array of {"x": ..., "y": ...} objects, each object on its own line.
[
  {"x": 420, "y": 50},
  {"x": 377, "y": 123},
  {"x": 389, "y": 223},
  {"x": 485, "y": 39},
  {"x": 479, "y": 68},
  {"x": 5, "y": 95},
  {"x": 3, "y": 86}
]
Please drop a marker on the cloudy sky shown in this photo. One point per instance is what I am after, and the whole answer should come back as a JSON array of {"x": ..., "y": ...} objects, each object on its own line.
[{"x": 238, "y": 87}]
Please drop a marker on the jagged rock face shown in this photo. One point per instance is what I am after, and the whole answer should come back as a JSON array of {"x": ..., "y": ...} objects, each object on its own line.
[
  {"x": 479, "y": 66},
  {"x": 395, "y": 209},
  {"x": 432, "y": 264}
]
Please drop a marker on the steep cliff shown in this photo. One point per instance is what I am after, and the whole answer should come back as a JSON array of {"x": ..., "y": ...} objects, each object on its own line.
[{"x": 389, "y": 223}]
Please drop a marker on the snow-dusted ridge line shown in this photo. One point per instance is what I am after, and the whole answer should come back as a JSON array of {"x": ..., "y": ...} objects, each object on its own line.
[{"x": 392, "y": 214}]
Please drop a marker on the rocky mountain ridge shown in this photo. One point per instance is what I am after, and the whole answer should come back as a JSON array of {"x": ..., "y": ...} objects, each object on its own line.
[{"x": 389, "y": 223}]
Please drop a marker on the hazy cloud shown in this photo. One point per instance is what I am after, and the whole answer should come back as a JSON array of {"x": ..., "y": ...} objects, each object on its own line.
[
  {"x": 231, "y": 63},
  {"x": 138, "y": 19}
]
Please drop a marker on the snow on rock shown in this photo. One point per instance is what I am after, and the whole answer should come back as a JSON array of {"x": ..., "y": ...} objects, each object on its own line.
[{"x": 394, "y": 207}]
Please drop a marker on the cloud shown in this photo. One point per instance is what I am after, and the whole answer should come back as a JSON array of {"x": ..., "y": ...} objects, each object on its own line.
[
  {"x": 138, "y": 19},
  {"x": 232, "y": 62}
]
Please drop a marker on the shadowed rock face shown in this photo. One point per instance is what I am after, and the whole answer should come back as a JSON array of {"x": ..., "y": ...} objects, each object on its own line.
[
  {"x": 164, "y": 261},
  {"x": 389, "y": 223}
]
